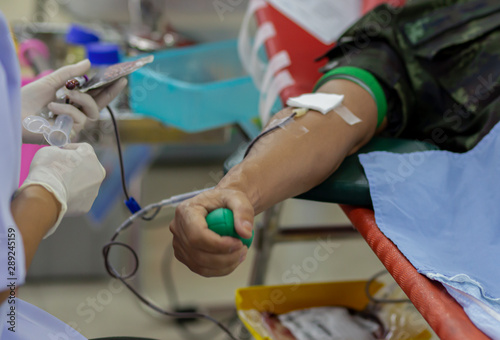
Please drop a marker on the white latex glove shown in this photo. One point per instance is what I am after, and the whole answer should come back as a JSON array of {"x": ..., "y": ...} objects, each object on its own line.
[
  {"x": 41, "y": 93},
  {"x": 72, "y": 174}
]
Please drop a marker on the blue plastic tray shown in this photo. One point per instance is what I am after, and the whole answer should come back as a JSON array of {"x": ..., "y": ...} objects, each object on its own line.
[{"x": 195, "y": 88}]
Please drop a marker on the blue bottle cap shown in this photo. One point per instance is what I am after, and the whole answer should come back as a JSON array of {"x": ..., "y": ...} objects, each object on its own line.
[
  {"x": 80, "y": 35},
  {"x": 103, "y": 54}
]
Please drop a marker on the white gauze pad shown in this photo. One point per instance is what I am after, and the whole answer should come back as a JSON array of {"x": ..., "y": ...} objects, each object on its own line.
[{"x": 324, "y": 103}]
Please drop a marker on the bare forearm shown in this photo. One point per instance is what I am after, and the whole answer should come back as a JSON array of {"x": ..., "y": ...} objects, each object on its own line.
[
  {"x": 35, "y": 211},
  {"x": 286, "y": 163}
]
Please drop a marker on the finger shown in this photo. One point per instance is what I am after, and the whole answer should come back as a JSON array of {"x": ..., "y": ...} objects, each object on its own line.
[
  {"x": 222, "y": 271},
  {"x": 86, "y": 150},
  {"x": 217, "y": 262},
  {"x": 209, "y": 265},
  {"x": 88, "y": 104},
  {"x": 58, "y": 78},
  {"x": 95, "y": 92},
  {"x": 210, "y": 261},
  {"x": 71, "y": 146},
  {"x": 79, "y": 118},
  {"x": 191, "y": 228},
  {"x": 83, "y": 148},
  {"x": 205, "y": 239},
  {"x": 209, "y": 272},
  {"x": 108, "y": 94},
  {"x": 242, "y": 210}
]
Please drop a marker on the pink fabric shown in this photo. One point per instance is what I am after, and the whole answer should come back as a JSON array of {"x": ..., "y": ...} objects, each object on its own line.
[{"x": 28, "y": 151}]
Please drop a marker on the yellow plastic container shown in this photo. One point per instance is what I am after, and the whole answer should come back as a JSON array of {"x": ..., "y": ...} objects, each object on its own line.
[{"x": 287, "y": 298}]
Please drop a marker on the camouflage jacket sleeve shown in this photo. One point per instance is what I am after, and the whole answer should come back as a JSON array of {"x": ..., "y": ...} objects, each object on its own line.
[{"x": 438, "y": 63}]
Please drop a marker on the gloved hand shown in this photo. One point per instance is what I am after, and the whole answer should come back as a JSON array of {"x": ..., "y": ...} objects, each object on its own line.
[
  {"x": 72, "y": 174},
  {"x": 37, "y": 95}
]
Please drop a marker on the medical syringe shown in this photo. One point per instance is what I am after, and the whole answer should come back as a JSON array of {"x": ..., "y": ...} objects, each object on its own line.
[{"x": 57, "y": 134}]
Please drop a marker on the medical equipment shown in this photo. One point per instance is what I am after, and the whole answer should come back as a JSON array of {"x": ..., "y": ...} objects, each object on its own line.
[
  {"x": 220, "y": 221},
  {"x": 115, "y": 72},
  {"x": 58, "y": 134},
  {"x": 280, "y": 123},
  {"x": 324, "y": 323},
  {"x": 77, "y": 82},
  {"x": 324, "y": 103}
]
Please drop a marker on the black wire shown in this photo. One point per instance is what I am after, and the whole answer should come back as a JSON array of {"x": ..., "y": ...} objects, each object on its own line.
[
  {"x": 265, "y": 132},
  {"x": 168, "y": 280},
  {"x": 114, "y": 273},
  {"x": 122, "y": 167},
  {"x": 110, "y": 269},
  {"x": 153, "y": 215},
  {"x": 376, "y": 300},
  {"x": 120, "y": 156},
  {"x": 186, "y": 315},
  {"x": 172, "y": 296}
]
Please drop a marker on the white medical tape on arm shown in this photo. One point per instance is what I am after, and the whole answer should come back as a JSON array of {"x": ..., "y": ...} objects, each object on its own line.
[
  {"x": 324, "y": 103},
  {"x": 347, "y": 115}
]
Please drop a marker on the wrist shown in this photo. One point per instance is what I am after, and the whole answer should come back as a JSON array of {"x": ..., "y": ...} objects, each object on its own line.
[
  {"x": 38, "y": 193},
  {"x": 240, "y": 178},
  {"x": 35, "y": 211}
]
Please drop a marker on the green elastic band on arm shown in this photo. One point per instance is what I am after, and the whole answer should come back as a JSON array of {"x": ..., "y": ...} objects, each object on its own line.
[{"x": 366, "y": 78}]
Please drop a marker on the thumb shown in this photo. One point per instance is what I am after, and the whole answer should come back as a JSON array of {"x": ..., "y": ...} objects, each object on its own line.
[
  {"x": 244, "y": 227},
  {"x": 58, "y": 78},
  {"x": 243, "y": 216},
  {"x": 83, "y": 149}
]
